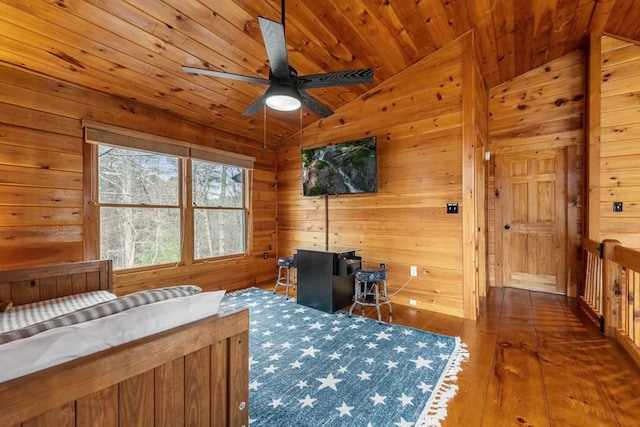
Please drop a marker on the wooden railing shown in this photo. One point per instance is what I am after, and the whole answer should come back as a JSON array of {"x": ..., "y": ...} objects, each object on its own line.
[
  {"x": 612, "y": 291},
  {"x": 592, "y": 294}
]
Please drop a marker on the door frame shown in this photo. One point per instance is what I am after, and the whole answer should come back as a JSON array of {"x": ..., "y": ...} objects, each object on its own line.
[{"x": 571, "y": 224}]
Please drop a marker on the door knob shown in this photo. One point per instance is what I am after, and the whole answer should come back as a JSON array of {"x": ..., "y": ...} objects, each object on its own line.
[{"x": 506, "y": 227}]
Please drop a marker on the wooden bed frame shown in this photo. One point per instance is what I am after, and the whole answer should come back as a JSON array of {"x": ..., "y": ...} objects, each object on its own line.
[{"x": 195, "y": 374}]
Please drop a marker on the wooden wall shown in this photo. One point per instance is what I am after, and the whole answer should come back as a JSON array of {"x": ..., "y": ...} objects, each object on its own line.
[
  {"x": 417, "y": 117},
  {"x": 541, "y": 109},
  {"x": 619, "y": 152},
  {"x": 41, "y": 181}
]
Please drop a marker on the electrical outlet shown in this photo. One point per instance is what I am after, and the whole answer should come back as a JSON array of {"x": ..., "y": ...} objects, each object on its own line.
[
  {"x": 412, "y": 302},
  {"x": 414, "y": 271},
  {"x": 265, "y": 255}
]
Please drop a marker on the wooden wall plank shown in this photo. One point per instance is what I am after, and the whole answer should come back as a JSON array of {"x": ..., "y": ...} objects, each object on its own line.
[
  {"x": 44, "y": 198},
  {"x": 420, "y": 168},
  {"x": 616, "y": 63}
]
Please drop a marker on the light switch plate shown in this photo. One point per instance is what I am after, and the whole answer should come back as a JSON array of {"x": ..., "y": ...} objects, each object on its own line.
[{"x": 617, "y": 206}]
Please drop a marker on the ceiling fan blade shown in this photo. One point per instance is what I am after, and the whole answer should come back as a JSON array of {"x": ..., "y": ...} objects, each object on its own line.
[
  {"x": 338, "y": 78},
  {"x": 314, "y": 105},
  {"x": 273, "y": 35},
  {"x": 257, "y": 105},
  {"x": 223, "y": 75}
]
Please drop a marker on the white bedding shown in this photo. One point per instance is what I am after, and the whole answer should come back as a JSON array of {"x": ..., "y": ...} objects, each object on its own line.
[{"x": 56, "y": 346}]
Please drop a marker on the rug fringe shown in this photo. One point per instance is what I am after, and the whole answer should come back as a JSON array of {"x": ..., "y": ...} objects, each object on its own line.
[{"x": 435, "y": 410}]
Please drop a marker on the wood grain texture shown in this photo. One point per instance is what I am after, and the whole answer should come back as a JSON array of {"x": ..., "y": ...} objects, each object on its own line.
[
  {"x": 46, "y": 214},
  {"x": 534, "y": 359},
  {"x": 419, "y": 134},
  {"x": 540, "y": 110},
  {"x": 135, "y": 50},
  {"x": 617, "y": 156}
]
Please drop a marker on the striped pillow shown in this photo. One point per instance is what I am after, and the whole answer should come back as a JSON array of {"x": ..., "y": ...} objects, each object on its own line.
[
  {"x": 20, "y": 316},
  {"x": 101, "y": 310}
]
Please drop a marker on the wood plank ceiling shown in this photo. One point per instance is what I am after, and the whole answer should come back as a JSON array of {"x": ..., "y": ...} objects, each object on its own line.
[{"x": 134, "y": 49}]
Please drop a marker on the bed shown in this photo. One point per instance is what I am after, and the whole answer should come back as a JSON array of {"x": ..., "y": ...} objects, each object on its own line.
[{"x": 193, "y": 374}]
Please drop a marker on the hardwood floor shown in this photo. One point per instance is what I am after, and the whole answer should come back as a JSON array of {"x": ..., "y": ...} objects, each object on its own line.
[{"x": 535, "y": 360}]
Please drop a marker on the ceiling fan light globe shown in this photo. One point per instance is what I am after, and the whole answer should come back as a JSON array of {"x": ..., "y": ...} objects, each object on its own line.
[{"x": 282, "y": 102}]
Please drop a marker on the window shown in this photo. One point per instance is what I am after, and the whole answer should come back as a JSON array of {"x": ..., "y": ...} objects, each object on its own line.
[
  {"x": 139, "y": 207},
  {"x": 153, "y": 199},
  {"x": 218, "y": 209}
]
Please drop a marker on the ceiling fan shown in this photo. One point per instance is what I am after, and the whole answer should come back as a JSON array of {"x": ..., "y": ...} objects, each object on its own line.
[{"x": 287, "y": 91}]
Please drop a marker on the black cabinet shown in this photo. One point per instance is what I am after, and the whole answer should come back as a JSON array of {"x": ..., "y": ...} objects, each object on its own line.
[{"x": 326, "y": 277}]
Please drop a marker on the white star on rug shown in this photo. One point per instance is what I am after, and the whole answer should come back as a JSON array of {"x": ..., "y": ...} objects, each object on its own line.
[
  {"x": 420, "y": 344},
  {"x": 391, "y": 364},
  {"x": 378, "y": 400},
  {"x": 426, "y": 388},
  {"x": 382, "y": 336},
  {"x": 364, "y": 376},
  {"x": 286, "y": 345},
  {"x": 344, "y": 409},
  {"x": 316, "y": 325},
  {"x": 270, "y": 369},
  {"x": 329, "y": 381},
  {"x": 399, "y": 349},
  {"x": 302, "y": 384},
  {"x": 406, "y": 400},
  {"x": 422, "y": 363},
  {"x": 343, "y": 369},
  {"x": 253, "y": 385},
  {"x": 276, "y": 402},
  {"x": 252, "y": 362},
  {"x": 296, "y": 364},
  {"x": 335, "y": 356},
  {"x": 372, "y": 345},
  {"x": 307, "y": 401},
  {"x": 403, "y": 423},
  {"x": 440, "y": 344},
  {"x": 309, "y": 351}
]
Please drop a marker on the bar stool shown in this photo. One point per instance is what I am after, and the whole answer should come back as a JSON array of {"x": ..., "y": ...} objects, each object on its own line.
[
  {"x": 371, "y": 291},
  {"x": 286, "y": 274}
]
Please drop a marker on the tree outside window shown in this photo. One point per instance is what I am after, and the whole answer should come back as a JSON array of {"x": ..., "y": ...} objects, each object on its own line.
[{"x": 141, "y": 220}]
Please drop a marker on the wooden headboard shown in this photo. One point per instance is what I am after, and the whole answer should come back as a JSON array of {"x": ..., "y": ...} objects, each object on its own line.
[{"x": 33, "y": 284}]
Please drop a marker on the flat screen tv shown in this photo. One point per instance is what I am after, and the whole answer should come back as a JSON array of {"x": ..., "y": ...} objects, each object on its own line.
[{"x": 344, "y": 168}]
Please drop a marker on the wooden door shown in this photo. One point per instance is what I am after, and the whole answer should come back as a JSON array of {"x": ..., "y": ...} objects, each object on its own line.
[{"x": 531, "y": 227}]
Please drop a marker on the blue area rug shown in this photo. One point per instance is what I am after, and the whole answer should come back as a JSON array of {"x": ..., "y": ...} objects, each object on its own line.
[{"x": 309, "y": 368}]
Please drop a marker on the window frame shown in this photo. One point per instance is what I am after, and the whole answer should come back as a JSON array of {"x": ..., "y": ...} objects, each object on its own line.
[{"x": 185, "y": 153}]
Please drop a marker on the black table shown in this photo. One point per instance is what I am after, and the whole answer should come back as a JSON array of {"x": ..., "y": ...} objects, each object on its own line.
[{"x": 325, "y": 276}]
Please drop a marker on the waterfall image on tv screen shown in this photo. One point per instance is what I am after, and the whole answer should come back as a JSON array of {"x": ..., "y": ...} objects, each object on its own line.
[{"x": 345, "y": 168}]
